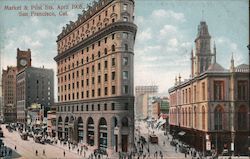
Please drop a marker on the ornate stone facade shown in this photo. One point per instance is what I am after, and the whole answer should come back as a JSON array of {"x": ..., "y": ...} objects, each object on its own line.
[
  {"x": 212, "y": 106},
  {"x": 95, "y": 77}
]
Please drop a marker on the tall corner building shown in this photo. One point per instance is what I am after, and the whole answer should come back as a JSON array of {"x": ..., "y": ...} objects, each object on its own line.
[
  {"x": 210, "y": 111},
  {"x": 95, "y": 71}
]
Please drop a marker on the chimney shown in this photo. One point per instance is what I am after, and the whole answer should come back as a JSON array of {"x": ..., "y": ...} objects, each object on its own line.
[
  {"x": 179, "y": 79},
  {"x": 232, "y": 64}
]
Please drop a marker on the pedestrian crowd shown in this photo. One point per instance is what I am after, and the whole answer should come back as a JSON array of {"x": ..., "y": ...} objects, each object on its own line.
[{"x": 5, "y": 151}]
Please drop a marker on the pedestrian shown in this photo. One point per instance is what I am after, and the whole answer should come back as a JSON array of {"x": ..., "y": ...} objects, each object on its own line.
[
  {"x": 10, "y": 152},
  {"x": 77, "y": 151},
  {"x": 15, "y": 147},
  {"x": 36, "y": 152},
  {"x": 163, "y": 143},
  {"x": 43, "y": 152},
  {"x": 185, "y": 154},
  {"x": 64, "y": 153}
]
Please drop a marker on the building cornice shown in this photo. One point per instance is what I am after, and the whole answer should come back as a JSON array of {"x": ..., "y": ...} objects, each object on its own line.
[
  {"x": 102, "y": 99},
  {"x": 117, "y": 26},
  {"x": 82, "y": 18},
  {"x": 86, "y": 15},
  {"x": 202, "y": 76}
]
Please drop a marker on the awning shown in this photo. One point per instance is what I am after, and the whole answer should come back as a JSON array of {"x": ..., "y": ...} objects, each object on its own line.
[{"x": 181, "y": 133}]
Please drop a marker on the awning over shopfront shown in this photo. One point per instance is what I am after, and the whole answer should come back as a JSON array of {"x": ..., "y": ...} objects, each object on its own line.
[{"x": 181, "y": 133}]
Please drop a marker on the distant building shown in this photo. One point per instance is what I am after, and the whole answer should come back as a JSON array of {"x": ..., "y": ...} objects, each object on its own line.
[
  {"x": 34, "y": 85},
  {"x": 9, "y": 85},
  {"x": 143, "y": 94},
  {"x": 160, "y": 108},
  {"x": 51, "y": 123},
  {"x": 212, "y": 107},
  {"x": 35, "y": 115},
  {"x": 9, "y": 94},
  {"x": 155, "y": 109}
]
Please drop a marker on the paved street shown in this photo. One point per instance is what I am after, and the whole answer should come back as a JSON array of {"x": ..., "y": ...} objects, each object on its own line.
[
  {"x": 26, "y": 148},
  {"x": 167, "y": 150}
]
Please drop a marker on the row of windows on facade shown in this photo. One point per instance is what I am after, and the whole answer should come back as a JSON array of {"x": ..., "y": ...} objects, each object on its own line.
[
  {"x": 125, "y": 6},
  {"x": 9, "y": 88},
  {"x": 87, "y": 82},
  {"x": 10, "y": 76},
  {"x": 219, "y": 116},
  {"x": 87, "y": 59},
  {"x": 113, "y": 63},
  {"x": 9, "y": 93},
  {"x": 219, "y": 92},
  {"x": 78, "y": 37},
  {"x": 87, "y": 108},
  {"x": 113, "y": 92},
  {"x": 42, "y": 81},
  {"x": 113, "y": 77},
  {"x": 39, "y": 97},
  {"x": 90, "y": 121},
  {"x": 9, "y": 82},
  {"x": 10, "y": 101}
]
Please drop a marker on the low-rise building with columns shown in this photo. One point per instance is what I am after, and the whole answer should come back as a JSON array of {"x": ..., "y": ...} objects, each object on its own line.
[{"x": 211, "y": 108}]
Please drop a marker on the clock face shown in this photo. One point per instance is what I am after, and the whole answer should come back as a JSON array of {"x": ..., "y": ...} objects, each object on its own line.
[{"x": 23, "y": 62}]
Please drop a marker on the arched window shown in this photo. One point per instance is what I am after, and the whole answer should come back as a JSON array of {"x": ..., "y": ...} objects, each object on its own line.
[
  {"x": 80, "y": 129},
  {"x": 90, "y": 131},
  {"x": 60, "y": 121},
  {"x": 203, "y": 117},
  {"x": 195, "y": 118},
  {"x": 186, "y": 117},
  {"x": 183, "y": 116},
  {"x": 113, "y": 48},
  {"x": 105, "y": 51},
  {"x": 126, "y": 47},
  {"x": 102, "y": 134},
  {"x": 218, "y": 112},
  {"x": 179, "y": 116},
  {"x": 190, "y": 116},
  {"x": 125, "y": 122},
  {"x": 242, "y": 118}
]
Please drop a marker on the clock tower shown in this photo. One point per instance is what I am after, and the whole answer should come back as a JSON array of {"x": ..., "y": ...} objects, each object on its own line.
[{"x": 23, "y": 59}]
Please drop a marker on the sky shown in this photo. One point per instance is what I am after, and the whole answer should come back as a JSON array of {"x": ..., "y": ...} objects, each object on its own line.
[{"x": 165, "y": 36}]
